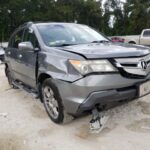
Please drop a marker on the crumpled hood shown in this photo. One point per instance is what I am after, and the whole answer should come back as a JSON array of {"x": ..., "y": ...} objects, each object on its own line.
[{"x": 108, "y": 50}]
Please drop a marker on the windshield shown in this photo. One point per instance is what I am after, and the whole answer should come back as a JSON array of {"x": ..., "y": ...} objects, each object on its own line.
[{"x": 68, "y": 34}]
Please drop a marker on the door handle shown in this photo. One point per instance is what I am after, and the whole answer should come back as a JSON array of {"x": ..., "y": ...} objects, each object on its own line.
[{"x": 19, "y": 56}]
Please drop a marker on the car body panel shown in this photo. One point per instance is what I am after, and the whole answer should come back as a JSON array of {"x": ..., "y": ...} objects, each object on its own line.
[
  {"x": 56, "y": 64},
  {"x": 93, "y": 83},
  {"x": 108, "y": 50},
  {"x": 27, "y": 67},
  {"x": 11, "y": 60}
]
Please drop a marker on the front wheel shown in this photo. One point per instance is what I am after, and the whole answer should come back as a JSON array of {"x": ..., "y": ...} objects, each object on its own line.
[{"x": 53, "y": 103}]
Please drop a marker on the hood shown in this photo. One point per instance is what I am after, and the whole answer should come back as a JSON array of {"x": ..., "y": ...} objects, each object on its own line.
[{"x": 107, "y": 50}]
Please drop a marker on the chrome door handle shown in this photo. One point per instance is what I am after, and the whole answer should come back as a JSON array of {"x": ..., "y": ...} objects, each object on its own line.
[{"x": 19, "y": 56}]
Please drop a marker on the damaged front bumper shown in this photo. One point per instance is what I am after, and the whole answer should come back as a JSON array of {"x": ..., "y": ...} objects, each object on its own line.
[{"x": 92, "y": 90}]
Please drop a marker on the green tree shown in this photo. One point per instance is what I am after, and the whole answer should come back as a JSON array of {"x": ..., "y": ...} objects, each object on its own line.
[
  {"x": 139, "y": 15},
  {"x": 128, "y": 18}
]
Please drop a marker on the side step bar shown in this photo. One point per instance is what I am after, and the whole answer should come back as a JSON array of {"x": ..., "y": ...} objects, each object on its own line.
[{"x": 29, "y": 90}]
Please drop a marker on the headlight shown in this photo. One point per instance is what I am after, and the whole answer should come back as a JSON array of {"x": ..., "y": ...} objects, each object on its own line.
[{"x": 85, "y": 67}]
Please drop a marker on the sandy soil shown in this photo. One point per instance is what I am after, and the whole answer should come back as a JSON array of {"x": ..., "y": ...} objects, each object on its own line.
[{"x": 24, "y": 125}]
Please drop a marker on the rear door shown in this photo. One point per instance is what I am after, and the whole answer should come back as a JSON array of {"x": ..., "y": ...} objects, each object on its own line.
[
  {"x": 12, "y": 53},
  {"x": 28, "y": 59},
  {"x": 145, "y": 38}
]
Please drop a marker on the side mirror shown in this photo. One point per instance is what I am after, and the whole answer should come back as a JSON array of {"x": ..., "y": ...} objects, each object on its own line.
[{"x": 26, "y": 46}]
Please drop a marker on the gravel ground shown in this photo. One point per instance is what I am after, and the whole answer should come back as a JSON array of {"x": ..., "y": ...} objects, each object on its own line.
[{"x": 24, "y": 125}]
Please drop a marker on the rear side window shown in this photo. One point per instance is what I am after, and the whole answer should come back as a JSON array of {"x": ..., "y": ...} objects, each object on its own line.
[
  {"x": 146, "y": 33},
  {"x": 30, "y": 36},
  {"x": 16, "y": 39}
]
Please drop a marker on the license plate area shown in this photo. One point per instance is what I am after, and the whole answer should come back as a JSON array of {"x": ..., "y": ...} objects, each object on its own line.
[{"x": 144, "y": 89}]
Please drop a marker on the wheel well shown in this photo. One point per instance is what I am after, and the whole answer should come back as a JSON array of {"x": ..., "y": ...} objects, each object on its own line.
[
  {"x": 132, "y": 42},
  {"x": 6, "y": 67},
  {"x": 42, "y": 77}
]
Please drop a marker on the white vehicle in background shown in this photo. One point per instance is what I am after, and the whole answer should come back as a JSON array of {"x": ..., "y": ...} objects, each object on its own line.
[
  {"x": 143, "y": 39},
  {"x": 2, "y": 51},
  {"x": 4, "y": 44},
  {"x": 2, "y": 54}
]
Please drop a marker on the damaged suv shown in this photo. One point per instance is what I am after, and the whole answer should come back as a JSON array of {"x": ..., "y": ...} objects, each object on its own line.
[{"x": 74, "y": 69}]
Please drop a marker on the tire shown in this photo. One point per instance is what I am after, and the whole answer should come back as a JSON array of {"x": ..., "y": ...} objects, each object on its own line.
[
  {"x": 53, "y": 103},
  {"x": 10, "y": 78}
]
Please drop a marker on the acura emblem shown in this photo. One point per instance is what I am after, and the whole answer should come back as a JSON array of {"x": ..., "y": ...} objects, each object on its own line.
[{"x": 142, "y": 64}]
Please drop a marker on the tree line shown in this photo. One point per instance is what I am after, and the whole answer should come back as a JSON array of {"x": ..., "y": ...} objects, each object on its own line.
[{"x": 112, "y": 17}]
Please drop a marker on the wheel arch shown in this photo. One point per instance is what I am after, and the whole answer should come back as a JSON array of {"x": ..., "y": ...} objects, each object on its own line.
[
  {"x": 6, "y": 67},
  {"x": 42, "y": 77},
  {"x": 132, "y": 42}
]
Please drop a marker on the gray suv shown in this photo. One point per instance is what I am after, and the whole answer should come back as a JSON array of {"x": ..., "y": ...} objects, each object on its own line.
[{"x": 74, "y": 69}]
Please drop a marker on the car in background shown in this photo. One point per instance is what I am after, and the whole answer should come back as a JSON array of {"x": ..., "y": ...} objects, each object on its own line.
[
  {"x": 142, "y": 39},
  {"x": 117, "y": 39},
  {"x": 2, "y": 52}
]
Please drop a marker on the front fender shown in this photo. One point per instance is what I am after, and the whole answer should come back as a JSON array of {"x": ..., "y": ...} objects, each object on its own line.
[{"x": 58, "y": 67}]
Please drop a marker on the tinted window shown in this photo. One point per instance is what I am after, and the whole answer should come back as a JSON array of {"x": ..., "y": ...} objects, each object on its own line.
[
  {"x": 146, "y": 33},
  {"x": 30, "y": 36},
  {"x": 16, "y": 39}
]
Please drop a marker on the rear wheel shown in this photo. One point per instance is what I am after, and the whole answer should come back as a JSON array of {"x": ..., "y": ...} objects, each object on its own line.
[{"x": 53, "y": 103}]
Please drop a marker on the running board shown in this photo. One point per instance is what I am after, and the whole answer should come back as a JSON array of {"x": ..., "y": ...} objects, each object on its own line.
[{"x": 29, "y": 90}]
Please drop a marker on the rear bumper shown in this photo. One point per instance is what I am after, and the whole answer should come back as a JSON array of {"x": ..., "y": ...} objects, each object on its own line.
[{"x": 87, "y": 92}]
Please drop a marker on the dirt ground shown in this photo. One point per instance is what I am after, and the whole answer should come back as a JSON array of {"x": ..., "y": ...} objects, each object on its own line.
[{"x": 24, "y": 125}]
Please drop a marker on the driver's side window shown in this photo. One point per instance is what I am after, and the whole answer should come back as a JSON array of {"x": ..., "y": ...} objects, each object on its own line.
[{"x": 29, "y": 36}]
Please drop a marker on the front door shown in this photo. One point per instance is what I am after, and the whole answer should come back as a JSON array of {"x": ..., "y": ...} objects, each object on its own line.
[{"x": 28, "y": 59}]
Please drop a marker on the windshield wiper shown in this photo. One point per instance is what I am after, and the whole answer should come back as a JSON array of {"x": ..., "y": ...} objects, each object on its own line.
[
  {"x": 65, "y": 44},
  {"x": 101, "y": 41}
]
